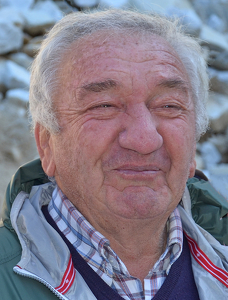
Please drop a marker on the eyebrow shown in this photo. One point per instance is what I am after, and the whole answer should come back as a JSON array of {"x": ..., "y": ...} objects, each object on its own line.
[
  {"x": 175, "y": 84},
  {"x": 96, "y": 87}
]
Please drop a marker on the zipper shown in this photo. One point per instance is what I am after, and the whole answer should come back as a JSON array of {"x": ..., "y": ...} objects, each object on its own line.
[{"x": 25, "y": 273}]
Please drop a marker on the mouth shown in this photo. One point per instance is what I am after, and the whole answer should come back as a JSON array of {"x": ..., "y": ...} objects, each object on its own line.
[{"x": 137, "y": 172}]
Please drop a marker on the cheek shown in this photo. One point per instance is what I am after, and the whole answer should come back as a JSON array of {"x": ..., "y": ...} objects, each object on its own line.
[
  {"x": 179, "y": 142},
  {"x": 99, "y": 135},
  {"x": 84, "y": 147},
  {"x": 179, "y": 136},
  {"x": 81, "y": 156}
]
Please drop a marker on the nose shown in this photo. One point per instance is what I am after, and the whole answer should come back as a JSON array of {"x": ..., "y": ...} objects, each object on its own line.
[{"x": 140, "y": 131}]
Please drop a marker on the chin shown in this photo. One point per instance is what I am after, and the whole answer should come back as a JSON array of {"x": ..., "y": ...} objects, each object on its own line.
[{"x": 140, "y": 203}]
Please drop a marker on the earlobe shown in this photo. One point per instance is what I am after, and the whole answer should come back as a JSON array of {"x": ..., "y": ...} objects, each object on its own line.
[
  {"x": 192, "y": 168},
  {"x": 43, "y": 142}
]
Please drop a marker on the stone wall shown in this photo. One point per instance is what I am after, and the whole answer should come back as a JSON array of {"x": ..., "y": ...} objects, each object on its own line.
[{"x": 22, "y": 26}]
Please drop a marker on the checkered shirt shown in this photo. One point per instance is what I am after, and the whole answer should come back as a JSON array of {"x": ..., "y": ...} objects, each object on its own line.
[{"x": 96, "y": 250}]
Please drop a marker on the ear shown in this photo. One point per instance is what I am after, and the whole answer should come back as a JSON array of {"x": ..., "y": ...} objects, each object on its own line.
[
  {"x": 44, "y": 145},
  {"x": 192, "y": 168}
]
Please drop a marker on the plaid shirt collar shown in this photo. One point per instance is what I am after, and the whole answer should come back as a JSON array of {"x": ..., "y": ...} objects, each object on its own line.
[{"x": 96, "y": 250}]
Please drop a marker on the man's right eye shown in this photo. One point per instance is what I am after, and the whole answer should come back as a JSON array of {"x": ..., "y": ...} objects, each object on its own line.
[{"x": 105, "y": 105}]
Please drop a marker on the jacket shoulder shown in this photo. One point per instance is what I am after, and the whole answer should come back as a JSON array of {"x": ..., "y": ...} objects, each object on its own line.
[
  {"x": 209, "y": 209},
  {"x": 10, "y": 248},
  {"x": 24, "y": 179},
  {"x": 12, "y": 285}
]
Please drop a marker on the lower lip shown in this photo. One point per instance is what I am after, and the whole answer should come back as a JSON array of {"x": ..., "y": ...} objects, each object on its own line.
[{"x": 133, "y": 174}]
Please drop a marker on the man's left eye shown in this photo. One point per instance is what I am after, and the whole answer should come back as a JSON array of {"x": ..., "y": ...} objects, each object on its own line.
[
  {"x": 171, "y": 106},
  {"x": 105, "y": 105}
]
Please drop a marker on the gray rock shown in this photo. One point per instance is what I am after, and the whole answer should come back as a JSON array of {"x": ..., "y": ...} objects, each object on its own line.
[
  {"x": 216, "y": 23},
  {"x": 218, "y": 60},
  {"x": 188, "y": 18},
  {"x": 84, "y": 3},
  {"x": 160, "y": 6},
  {"x": 50, "y": 8},
  {"x": 218, "y": 81},
  {"x": 20, "y": 4},
  {"x": 12, "y": 15},
  {"x": 213, "y": 39},
  {"x": 210, "y": 154},
  {"x": 199, "y": 162},
  {"x": 219, "y": 178},
  {"x": 16, "y": 142},
  {"x": 182, "y": 9},
  {"x": 221, "y": 142},
  {"x": 16, "y": 76},
  {"x": 11, "y": 37},
  {"x": 207, "y": 8},
  {"x": 202, "y": 8},
  {"x": 2, "y": 75},
  {"x": 22, "y": 59},
  {"x": 114, "y": 4},
  {"x": 37, "y": 21},
  {"x": 19, "y": 97},
  {"x": 65, "y": 7},
  {"x": 33, "y": 46},
  {"x": 217, "y": 109}
]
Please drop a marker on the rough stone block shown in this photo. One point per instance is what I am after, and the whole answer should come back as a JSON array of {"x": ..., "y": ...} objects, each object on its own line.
[
  {"x": 11, "y": 37},
  {"x": 16, "y": 76},
  {"x": 217, "y": 109}
]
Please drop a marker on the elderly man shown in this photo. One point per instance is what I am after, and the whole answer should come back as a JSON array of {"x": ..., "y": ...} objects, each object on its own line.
[{"x": 118, "y": 103}]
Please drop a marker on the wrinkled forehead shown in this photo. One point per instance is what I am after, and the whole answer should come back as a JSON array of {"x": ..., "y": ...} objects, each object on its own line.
[
  {"x": 104, "y": 46},
  {"x": 118, "y": 56},
  {"x": 119, "y": 40}
]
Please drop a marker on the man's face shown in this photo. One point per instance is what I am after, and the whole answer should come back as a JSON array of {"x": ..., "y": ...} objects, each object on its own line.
[{"x": 126, "y": 147}]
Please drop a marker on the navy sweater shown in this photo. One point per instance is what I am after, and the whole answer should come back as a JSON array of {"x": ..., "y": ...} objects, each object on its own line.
[{"x": 179, "y": 285}]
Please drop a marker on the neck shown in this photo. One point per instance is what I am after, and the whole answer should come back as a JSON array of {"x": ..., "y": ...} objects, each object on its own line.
[
  {"x": 139, "y": 244},
  {"x": 140, "y": 255}
]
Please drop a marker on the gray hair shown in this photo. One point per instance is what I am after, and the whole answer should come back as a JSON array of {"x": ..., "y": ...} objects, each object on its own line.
[{"x": 73, "y": 27}]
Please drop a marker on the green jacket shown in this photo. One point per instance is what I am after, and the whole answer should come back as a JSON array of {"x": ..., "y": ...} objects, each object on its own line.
[
  {"x": 209, "y": 210},
  {"x": 10, "y": 249}
]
